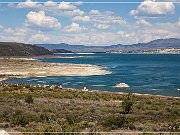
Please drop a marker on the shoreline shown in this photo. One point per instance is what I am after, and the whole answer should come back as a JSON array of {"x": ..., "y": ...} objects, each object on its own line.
[
  {"x": 91, "y": 90},
  {"x": 121, "y": 93},
  {"x": 91, "y": 68},
  {"x": 18, "y": 67}
]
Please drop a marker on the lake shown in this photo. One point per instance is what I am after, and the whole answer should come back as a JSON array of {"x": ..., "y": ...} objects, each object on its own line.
[{"x": 157, "y": 74}]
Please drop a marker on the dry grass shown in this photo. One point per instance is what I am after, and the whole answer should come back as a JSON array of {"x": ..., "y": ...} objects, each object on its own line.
[{"x": 73, "y": 110}]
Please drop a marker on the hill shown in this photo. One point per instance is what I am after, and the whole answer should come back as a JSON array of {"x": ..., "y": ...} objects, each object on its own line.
[
  {"x": 20, "y": 49},
  {"x": 155, "y": 44},
  {"x": 60, "y": 51}
]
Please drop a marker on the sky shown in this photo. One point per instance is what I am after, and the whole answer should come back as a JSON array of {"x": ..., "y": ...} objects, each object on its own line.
[{"x": 89, "y": 22}]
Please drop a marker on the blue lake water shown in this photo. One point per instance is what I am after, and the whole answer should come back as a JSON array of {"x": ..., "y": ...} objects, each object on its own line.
[{"x": 144, "y": 73}]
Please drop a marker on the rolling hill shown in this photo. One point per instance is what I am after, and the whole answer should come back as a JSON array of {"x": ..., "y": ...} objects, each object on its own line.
[{"x": 20, "y": 49}]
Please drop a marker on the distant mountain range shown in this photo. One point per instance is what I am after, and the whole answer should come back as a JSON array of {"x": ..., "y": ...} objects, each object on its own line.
[
  {"x": 20, "y": 49},
  {"x": 155, "y": 44}
]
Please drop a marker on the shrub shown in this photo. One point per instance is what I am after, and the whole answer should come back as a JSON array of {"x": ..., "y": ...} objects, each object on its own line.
[
  {"x": 44, "y": 117},
  {"x": 127, "y": 103},
  {"x": 29, "y": 99},
  {"x": 50, "y": 130},
  {"x": 72, "y": 119},
  {"x": 118, "y": 122},
  {"x": 19, "y": 119}
]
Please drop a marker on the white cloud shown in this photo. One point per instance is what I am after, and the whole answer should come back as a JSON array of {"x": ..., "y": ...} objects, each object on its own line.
[
  {"x": 101, "y": 26},
  {"x": 61, "y": 8},
  {"x": 82, "y": 18},
  {"x": 21, "y": 32},
  {"x": 152, "y": 34},
  {"x": 66, "y": 6},
  {"x": 39, "y": 38},
  {"x": 157, "y": 31},
  {"x": 151, "y": 8},
  {"x": 74, "y": 27},
  {"x": 94, "y": 12},
  {"x": 50, "y": 3},
  {"x": 39, "y": 19},
  {"x": 130, "y": 37},
  {"x": 29, "y": 4},
  {"x": 72, "y": 12},
  {"x": 105, "y": 17},
  {"x": 143, "y": 22},
  {"x": 108, "y": 19},
  {"x": 8, "y": 30},
  {"x": 65, "y": 9},
  {"x": 14, "y": 34},
  {"x": 97, "y": 38},
  {"x": 133, "y": 12}
]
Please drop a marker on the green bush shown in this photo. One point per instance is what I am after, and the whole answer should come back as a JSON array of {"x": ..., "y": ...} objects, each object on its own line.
[
  {"x": 19, "y": 119},
  {"x": 44, "y": 117},
  {"x": 72, "y": 118},
  {"x": 121, "y": 121},
  {"x": 127, "y": 103},
  {"x": 29, "y": 99}
]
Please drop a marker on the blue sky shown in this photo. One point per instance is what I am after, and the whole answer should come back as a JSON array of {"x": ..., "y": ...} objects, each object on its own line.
[{"x": 80, "y": 22}]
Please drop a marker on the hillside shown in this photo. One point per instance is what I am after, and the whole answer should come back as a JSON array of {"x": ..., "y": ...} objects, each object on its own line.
[
  {"x": 155, "y": 44},
  {"x": 20, "y": 49}
]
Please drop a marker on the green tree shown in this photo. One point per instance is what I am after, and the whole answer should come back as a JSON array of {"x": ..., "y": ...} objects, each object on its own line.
[{"x": 127, "y": 103}]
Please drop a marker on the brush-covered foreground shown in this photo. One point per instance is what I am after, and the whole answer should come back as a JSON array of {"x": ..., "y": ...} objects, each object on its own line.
[{"x": 28, "y": 108}]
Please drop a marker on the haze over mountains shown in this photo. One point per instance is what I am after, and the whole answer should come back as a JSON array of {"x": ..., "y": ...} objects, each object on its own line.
[{"x": 156, "y": 44}]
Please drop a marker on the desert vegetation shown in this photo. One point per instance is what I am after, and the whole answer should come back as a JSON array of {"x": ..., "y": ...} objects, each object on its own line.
[{"x": 30, "y": 108}]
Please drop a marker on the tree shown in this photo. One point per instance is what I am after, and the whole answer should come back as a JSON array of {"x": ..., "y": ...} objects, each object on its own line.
[{"x": 127, "y": 103}]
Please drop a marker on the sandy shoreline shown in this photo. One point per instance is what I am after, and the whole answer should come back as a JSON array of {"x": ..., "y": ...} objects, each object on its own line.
[{"x": 31, "y": 67}]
